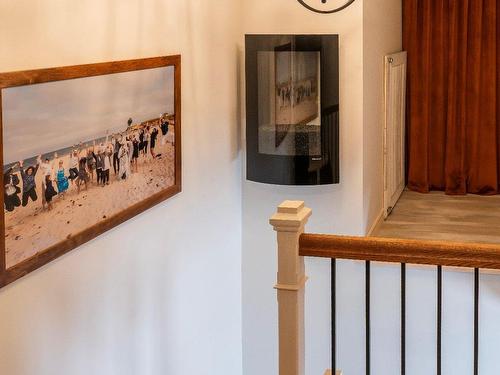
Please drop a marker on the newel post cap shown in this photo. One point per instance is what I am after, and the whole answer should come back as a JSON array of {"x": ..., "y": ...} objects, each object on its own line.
[{"x": 291, "y": 216}]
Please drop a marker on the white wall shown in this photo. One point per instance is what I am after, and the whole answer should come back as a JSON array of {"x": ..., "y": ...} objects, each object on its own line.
[
  {"x": 337, "y": 208},
  {"x": 161, "y": 294},
  {"x": 367, "y": 30},
  {"x": 382, "y": 35}
]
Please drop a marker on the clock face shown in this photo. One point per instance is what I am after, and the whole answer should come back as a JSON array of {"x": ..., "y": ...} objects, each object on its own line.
[{"x": 326, "y": 6}]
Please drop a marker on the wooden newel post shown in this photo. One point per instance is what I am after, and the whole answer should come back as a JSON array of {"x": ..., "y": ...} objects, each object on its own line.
[{"x": 289, "y": 222}]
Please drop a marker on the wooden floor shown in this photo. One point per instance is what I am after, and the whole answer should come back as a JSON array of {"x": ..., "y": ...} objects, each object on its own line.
[{"x": 437, "y": 216}]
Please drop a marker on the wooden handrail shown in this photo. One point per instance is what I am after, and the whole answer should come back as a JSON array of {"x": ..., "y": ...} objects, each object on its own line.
[{"x": 392, "y": 250}]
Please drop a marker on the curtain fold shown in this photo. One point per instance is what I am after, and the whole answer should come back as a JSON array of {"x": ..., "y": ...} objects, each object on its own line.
[{"x": 453, "y": 95}]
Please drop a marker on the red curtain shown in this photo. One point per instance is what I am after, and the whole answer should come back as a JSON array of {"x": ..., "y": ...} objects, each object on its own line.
[{"x": 453, "y": 95}]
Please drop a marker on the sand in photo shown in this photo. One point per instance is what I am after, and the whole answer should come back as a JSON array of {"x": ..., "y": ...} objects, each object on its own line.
[{"x": 31, "y": 229}]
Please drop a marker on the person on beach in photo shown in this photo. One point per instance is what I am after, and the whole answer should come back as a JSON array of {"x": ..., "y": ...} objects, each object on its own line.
[
  {"x": 154, "y": 135},
  {"x": 130, "y": 147},
  {"x": 11, "y": 190},
  {"x": 50, "y": 192},
  {"x": 106, "y": 165},
  {"x": 29, "y": 184},
  {"x": 83, "y": 176},
  {"x": 73, "y": 165},
  {"x": 146, "y": 141},
  {"x": 164, "y": 130},
  {"x": 116, "y": 150},
  {"x": 91, "y": 162},
  {"x": 141, "y": 140},
  {"x": 103, "y": 163},
  {"x": 61, "y": 180},
  {"x": 47, "y": 169},
  {"x": 99, "y": 163},
  {"x": 135, "y": 153},
  {"x": 124, "y": 162}
]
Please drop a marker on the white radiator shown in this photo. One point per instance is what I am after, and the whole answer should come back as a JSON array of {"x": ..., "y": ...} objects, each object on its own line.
[{"x": 394, "y": 129}]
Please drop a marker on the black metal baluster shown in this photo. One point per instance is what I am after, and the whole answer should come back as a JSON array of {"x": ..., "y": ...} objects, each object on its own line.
[
  {"x": 439, "y": 318},
  {"x": 476, "y": 321},
  {"x": 367, "y": 316},
  {"x": 403, "y": 319},
  {"x": 333, "y": 281}
]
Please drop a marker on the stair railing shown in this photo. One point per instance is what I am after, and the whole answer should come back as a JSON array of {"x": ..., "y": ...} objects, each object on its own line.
[{"x": 293, "y": 245}]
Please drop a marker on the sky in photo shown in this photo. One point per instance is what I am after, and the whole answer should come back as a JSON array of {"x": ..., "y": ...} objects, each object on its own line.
[{"x": 50, "y": 116}]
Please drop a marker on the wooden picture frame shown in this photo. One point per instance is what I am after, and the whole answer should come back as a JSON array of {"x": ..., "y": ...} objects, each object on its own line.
[{"x": 34, "y": 77}]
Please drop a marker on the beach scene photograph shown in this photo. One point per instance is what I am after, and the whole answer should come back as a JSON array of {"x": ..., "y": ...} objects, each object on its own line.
[
  {"x": 79, "y": 151},
  {"x": 289, "y": 95}
]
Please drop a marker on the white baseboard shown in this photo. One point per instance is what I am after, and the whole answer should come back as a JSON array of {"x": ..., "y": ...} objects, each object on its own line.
[{"x": 376, "y": 224}]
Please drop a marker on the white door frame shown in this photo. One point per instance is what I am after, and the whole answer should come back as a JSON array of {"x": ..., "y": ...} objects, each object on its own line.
[{"x": 394, "y": 130}]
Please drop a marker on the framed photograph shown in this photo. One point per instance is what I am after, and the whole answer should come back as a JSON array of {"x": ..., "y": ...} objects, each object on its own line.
[
  {"x": 296, "y": 89},
  {"x": 297, "y": 81},
  {"x": 84, "y": 148},
  {"x": 292, "y": 108}
]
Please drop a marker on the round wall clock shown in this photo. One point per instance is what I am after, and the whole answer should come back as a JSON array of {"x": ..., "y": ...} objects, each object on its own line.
[{"x": 326, "y": 6}]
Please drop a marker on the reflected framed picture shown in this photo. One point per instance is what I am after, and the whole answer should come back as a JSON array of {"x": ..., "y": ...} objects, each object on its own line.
[
  {"x": 84, "y": 148},
  {"x": 292, "y": 109},
  {"x": 297, "y": 82}
]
